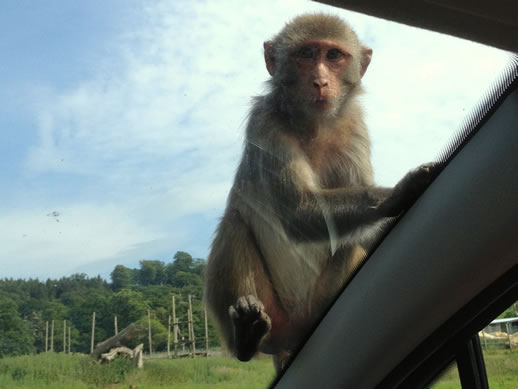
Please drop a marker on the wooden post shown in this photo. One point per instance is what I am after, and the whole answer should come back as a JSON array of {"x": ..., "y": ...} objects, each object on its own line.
[
  {"x": 93, "y": 334},
  {"x": 206, "y": 333},
  {"x": 47, "y": 336},
  {"x": 149, "y": 330},
  {"x": 193, "y": 338},
  {"x": 64, "y": 336},
  {"x": 52, "y": 336},
  {"x": 169, "y": 337},
  {"x": 508, "y": 328},
  {"x": 189, "y": 339},
  {"x": 69, "y": 339},
  {"x": 484, "y": 339},
  {"x": 191, "y": 327},
  {"x": 115, "y": 324},
  {"x": 137, "y": 352},
  {"x": 175, "y": 329}
]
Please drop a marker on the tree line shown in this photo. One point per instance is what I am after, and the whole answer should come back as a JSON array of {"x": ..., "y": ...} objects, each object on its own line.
[{"x": 27, "y": 305}]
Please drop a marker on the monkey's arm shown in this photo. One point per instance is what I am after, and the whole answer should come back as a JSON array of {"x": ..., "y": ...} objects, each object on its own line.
[{"x": 308, "y": 215}]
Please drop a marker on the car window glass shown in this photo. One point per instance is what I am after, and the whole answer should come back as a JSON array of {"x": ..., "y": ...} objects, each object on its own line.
[
  {"x": 448, "y": 379},
  {"x": 121, "y": 128},
  {"x": 499, "y": 341}
]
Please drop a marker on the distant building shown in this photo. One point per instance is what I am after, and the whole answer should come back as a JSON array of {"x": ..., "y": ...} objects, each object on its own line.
[{"x": 509, "y": 326}]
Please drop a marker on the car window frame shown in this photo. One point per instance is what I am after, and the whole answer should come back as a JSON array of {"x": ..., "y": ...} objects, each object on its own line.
[{"x": 457, "y": 340}]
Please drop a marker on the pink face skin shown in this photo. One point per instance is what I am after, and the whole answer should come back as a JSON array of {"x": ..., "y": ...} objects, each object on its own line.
[{"x": 320, "y": 65}]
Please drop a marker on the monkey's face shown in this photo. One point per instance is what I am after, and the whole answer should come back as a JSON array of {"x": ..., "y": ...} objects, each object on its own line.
[{"x": 322, "y": 69}]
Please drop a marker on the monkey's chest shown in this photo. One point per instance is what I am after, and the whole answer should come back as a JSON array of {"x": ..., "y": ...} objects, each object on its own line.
[{"x": 327, "y": 162}]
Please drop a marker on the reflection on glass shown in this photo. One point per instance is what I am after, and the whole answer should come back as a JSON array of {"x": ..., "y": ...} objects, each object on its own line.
[{"x": 121, "y": 128}]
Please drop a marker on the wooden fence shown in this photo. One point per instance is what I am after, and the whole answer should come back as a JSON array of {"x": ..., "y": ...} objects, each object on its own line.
[{"x": 183, "y": 343}]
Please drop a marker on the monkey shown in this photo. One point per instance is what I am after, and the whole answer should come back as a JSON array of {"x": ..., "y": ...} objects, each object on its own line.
[{"x": 303, "y": 208}]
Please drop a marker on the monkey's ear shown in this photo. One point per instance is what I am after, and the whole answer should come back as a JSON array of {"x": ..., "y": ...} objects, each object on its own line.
[
  {"x": 366, "y": 59},
  {"x": 268, "y": 57}
]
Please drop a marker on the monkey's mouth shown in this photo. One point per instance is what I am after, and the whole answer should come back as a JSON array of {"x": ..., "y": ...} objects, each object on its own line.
[
  {"x": 320, "y": 99},
  {"x": 322, "y": 103}
]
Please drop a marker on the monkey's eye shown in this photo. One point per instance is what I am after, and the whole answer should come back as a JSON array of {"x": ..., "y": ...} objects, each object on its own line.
[
  {"x": 334, "y": 54},
  {"x": 305, "y": 52}
]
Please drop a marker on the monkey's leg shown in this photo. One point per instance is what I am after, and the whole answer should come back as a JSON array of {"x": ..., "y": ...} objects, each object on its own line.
[
  {"x": 280, "y": 361},
  {"x": 239, "y": 292}
]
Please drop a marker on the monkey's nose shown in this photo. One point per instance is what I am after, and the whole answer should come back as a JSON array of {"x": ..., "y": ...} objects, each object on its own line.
[{"x": 319, "y": 84}]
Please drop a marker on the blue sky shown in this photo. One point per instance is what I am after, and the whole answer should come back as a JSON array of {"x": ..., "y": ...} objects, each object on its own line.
[{"x": 121, "y": 121}]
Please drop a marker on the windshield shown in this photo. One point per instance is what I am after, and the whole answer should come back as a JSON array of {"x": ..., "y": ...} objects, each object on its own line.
[{"x": 122, "y": 128}]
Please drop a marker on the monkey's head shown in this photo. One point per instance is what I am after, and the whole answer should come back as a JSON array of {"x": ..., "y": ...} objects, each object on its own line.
[{"x": 316, "y": 63}]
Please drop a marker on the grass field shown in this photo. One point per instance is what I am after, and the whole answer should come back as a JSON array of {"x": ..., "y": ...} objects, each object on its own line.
[
  {"x": 59, "y": 371},
  {"x": 501, "y": 367}
]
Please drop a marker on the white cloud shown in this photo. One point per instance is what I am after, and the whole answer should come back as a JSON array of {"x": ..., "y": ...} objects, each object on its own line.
[
  {"x": 154, "y": 136},
  {"x": 41, "y": 243},
  {"x": 420, "y": 87}
]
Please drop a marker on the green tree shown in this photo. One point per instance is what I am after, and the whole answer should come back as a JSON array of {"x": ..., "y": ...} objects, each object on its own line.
[
  {"x": 129, "y": 295},
  {"x": 81, "y": 303},
  {"x": 512, "y": 311},
  {"x": 183, "y": 261},
  {"x": 129, "y": 306},
  {"x": 183, "y": 279},
  {"x": 16, "y": 337},
  {"x": 151, "y": 272},
  {"x": 179, "y": 272},
  {"x": 54, "y": 310},
  {"x": 199, "y": 266},
  {"x": 158, "y": 334},
  {"x": 122, "y": 277}
]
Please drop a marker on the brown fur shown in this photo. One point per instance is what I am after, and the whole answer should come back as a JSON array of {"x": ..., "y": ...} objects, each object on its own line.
[{"x": 303, "y": 202}]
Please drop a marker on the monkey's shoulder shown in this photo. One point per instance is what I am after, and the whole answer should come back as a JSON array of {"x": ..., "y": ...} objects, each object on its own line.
[{"x": 262, "y": 119}]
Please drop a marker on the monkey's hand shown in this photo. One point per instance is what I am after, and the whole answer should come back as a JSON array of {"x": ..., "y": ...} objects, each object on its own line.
[
  {"x": 251, "y": 324},
  {"x": 408, "y": 189}
]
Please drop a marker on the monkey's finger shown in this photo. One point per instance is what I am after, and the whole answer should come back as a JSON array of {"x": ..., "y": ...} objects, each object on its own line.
[
  {"x": 254, "y": 303},
  {"x": 234, "y": 315},
  {"x": 263, "y": 324}
]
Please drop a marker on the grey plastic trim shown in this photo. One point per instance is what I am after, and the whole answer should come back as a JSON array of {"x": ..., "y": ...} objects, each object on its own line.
[{"x": 492, "y": 23}]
